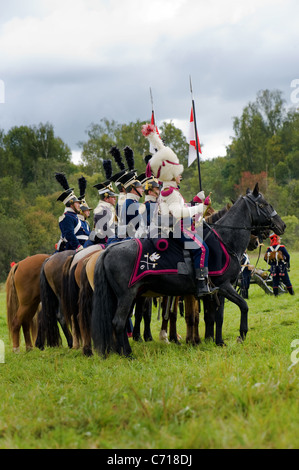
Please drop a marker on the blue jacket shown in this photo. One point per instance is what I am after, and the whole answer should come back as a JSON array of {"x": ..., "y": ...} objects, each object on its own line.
[{"x": 72, "y": 230}]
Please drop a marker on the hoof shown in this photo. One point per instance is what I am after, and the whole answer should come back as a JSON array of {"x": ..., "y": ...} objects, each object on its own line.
[
  {"x": 240, "y": 340},
  {"x": 163, "y": 336}
]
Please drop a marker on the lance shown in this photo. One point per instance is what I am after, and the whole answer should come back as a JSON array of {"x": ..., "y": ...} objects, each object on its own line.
[
  {"x": 196, "y": 135},
  {"x": 153, "y": 114}
]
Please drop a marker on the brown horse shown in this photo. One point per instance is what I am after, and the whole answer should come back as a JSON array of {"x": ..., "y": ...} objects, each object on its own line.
[
  {"x": 85, "y": 279},
  {"x": 23, "y": 298},
  {"x": 51, "y": 311}
]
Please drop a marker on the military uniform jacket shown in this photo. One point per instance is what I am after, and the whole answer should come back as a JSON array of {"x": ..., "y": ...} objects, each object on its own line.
[
  {"x": 72, "y": 231},
  {"x": 151, "y": 207},
  {"x": 104, "y": 221},
  {"x": 132, "y": 215},
  {"x": 277, "y": 261},
  {"x": 173, "y": 203}
]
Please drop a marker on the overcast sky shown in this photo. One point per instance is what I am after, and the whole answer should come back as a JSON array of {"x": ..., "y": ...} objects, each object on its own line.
[{"x": 73, "y": 62}]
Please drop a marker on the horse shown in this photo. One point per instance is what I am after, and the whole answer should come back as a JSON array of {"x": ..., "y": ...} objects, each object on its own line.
[
  {"x": 23, "y": 298},
  {"x": 50, "y": 290},
  {"x": 213, "y": 307},
  {"x": 54, "y": 273},
  {"x": 71, "y": 280},
  {"x": 112, "y": 299}
]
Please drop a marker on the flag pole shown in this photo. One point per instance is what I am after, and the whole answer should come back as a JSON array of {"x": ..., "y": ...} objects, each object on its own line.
[
  {"x": 196, "y": 135},
  {"x": 152, "y": 101}
]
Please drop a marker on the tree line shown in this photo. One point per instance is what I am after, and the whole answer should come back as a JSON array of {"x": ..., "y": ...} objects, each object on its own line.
[{"x": 264, "y": 148}]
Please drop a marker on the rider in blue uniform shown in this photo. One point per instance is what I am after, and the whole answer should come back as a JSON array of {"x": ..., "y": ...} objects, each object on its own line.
[
  {"x": 69, "y": 223},
  {"x": 131, "y": 217},
  {"x": 152, "y": 193}
]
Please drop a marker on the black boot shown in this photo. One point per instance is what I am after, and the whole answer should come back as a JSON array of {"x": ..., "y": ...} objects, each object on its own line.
[
  {"x": 291, "y": 290},
  {"x": 202, "y": 285}
]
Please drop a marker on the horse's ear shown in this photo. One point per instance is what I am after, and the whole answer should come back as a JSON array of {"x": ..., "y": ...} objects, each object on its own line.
[
  {"x": 256, "y": 190},
  {"x": 248, "y": 191}
]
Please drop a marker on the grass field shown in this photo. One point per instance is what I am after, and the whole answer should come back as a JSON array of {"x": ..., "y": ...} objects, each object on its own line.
[{"x": 170, "y": 397}]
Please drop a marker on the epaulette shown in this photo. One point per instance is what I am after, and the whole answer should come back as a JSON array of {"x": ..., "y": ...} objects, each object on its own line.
[{"x": 167, "y": 191}]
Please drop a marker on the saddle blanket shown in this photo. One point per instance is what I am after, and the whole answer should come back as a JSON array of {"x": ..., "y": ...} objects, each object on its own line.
[{"x": 166, "y": 256}]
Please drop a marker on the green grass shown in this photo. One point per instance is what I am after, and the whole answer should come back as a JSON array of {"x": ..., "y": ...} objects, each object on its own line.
[{"x": 169, "y": 397}]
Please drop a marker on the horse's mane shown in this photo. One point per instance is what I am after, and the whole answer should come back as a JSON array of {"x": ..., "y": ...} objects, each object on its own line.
[{"x": 211, "y": 219}]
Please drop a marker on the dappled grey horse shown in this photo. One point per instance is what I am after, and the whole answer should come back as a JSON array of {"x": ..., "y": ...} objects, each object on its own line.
[{"x": 113, "y": 297}]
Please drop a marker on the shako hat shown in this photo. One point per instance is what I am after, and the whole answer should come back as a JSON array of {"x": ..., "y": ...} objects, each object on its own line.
[
  {"x": 164, "y": 164},
  {"x": 105, "y": 189},
  {"x": 130, "y": 178},
  {"x": 151, "y": 183},
  {"x": 67, "y": 197}
]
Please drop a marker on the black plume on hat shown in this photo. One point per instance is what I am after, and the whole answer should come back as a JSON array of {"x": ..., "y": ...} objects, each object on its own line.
[
  {"x": 117, "y": 157},
  {"x": 61, "y": 178},
  {"x": 82, "y": 186},
  {"x": 107, "y": 164},
  {"x": 129, "y": 156}
]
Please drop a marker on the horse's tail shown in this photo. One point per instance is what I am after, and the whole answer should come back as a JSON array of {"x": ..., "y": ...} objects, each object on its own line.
[
  {"x": 48, "y": 331},
  {"x": 69, "y": 292},
  {"x": 104, "y": 308},
  {"x": 85, "y": 310},
  {"x": 12, "y": 301}
]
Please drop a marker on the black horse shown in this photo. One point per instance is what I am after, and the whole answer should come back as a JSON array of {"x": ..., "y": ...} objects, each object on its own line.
[{"x": 113, "y": 298}]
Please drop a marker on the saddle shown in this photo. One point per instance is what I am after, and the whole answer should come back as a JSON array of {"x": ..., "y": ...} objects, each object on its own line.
[{"x": 166, "y": 256}]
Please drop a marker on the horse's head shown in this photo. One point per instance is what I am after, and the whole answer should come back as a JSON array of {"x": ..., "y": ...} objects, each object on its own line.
[{"x": 262, "y": 213}]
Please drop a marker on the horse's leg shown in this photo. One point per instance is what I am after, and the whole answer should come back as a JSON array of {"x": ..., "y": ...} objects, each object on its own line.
[
  {"x": 68, "y": 335},
  {"x": 27, "y": 335},
  {"x": 76, "y": 340},
  {"x": 147, "y": 317},
  {"x": 138, "y": 319},
  {"x": 23, "y": 318},
  {"x": 219, "y": 321},
  {"x": 15, "y": 333},
  {"x": 173, "y": 320},
  {"x": 196, "y": 307},
  {"x": 209, "y": 305},
  {"x": 189, "y": 318},
  {"x": 163, "y": 332},
  {"x": 119, "y": 323},
  {"x": 230, "y": 293}
]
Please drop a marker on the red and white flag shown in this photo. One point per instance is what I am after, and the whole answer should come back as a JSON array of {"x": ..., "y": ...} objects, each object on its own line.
[
  {"x": 192, "y": 141},
  {"x": 152, "y": 149}
]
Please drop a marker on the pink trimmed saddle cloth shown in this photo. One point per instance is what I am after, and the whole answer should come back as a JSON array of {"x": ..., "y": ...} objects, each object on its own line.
[{"x": 166, "y": 256}]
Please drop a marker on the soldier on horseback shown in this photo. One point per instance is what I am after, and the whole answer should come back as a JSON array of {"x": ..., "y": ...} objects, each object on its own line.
[
  {"x": 278, "y": 258},
  {"x": 152, "y": 193},
  {"x": 165, "y": 166},
  {"x": 73, "y": 234},
  {"x": 131, "y": 216},
  {"x": 104, "y": 213}
]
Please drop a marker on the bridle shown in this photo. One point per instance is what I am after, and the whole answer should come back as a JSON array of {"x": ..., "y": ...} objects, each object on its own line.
[{"x": 265, "y": 209}]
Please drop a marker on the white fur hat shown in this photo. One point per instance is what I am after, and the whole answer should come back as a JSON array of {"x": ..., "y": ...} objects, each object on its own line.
[{"x": 164, "y": 164}]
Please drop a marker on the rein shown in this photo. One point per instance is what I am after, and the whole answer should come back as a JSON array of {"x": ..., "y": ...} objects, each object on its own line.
[{"x": 249, "y": 199}]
